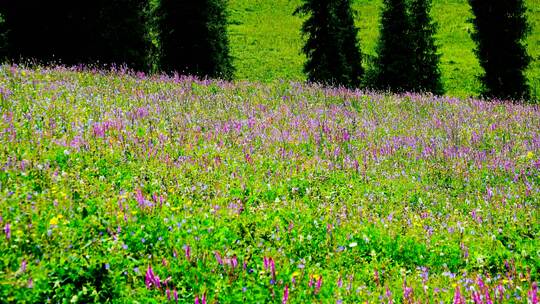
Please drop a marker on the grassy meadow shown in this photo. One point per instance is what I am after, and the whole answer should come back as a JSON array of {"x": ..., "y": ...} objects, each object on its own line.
[
  {"x": 124, "y": 188},
  {"x": 266, "y": 41}
]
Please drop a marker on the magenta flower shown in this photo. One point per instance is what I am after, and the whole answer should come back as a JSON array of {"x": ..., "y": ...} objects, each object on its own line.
[
  {"x": 218, "y": 258},
  {"x": 151, "y": 280},
  {"x": 234, "y": 262},
  {"x": 477, "y": 299},
  {"x": 285, "y": 295},
  {"x": 187, "y": 252},
  {"x": 202, "y": 299},
  {"x": 533, "y": 293},
  {"x": 458, "y": 298}
]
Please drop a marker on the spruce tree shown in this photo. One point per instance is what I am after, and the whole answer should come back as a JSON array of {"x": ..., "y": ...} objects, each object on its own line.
[
  {"x": 426, "y": 74},
  {"x": 193, "y": 37},
  {"x": 332, "y": 48},
  {"x": 394, "y": 64},
  {"x": 122, "y": 37},
  {"x": 73, "y": 32},
  {"x": 3, "y": 37},
  {"x": 500, "y": 28}
]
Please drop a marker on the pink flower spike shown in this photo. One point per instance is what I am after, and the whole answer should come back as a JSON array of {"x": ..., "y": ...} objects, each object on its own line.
[
  {"x": 533, "y": 293},
  {"x": 285, "y": 295},
  {"x": 265, "y": 260},
  {"x": 458, "y": 298},
  {"x": 187, "y": 251},
  {"x": 234, "y": 262},
  {"x": 218, "y": 258},
  {"x": 273, "y": 268}
]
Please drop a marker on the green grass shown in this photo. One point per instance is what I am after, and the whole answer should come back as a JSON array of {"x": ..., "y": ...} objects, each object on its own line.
[{"x": 266, "y": 41}]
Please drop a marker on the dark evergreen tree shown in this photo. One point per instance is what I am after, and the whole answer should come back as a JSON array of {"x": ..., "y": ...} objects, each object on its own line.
[
  {"x": 122, "y": 36},
  {"x": 426, "y": 75},
  {"x": 73, "y": 32},
  {"x": 193, "y": 37},
  {"x": 500, "y": 28},
  {"x": 3, "y": 37},
  {"x": 394, "y": 66},
  {"x": 332, "y": 48}
]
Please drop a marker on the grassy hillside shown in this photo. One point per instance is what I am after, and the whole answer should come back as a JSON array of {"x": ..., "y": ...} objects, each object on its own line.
[
  {"x": 266, "y": 40},
  {"x": 125, "y": 188}
]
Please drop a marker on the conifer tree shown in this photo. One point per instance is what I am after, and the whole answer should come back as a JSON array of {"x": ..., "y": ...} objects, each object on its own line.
[
  {"x": 426, "y": 74},
  {"x": 394, "y": 64},
  {"x": 3, "y": 37},
  {"x": 73, "y": 32},
  {"x": 332, "y": 48},
  {"x": 193, "y": 37},
  {"x": 500, "y": 28},
  {"x": 122, "y": 37}
]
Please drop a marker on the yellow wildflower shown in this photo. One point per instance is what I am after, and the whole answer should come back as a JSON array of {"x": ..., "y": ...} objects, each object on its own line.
[
  {"x": 295, "y": 274},
  {"x": 54, "y": 221}
]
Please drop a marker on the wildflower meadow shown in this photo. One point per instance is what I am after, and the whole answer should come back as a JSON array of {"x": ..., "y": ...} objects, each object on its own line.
[{"x": 120, "y": 187}]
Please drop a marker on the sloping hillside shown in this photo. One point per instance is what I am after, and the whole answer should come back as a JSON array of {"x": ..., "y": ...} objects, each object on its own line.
[{"x": 267, "y": 44}]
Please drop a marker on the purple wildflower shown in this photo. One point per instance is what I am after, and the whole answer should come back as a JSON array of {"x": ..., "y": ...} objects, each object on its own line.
[
  {"x": 285, "y": 295},
  {"x": 533, "y": 293},
  {"x": 218, "y": 258},
  {"x": 458, "y": 298},
  {"x": 7, "y": 230}
]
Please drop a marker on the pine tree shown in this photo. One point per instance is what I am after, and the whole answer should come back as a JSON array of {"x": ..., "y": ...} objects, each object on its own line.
[
  {"x": 394, "y": 64},
  {"x": 122, "y": 37},
  {"x": 193, "y": 37},
  {"x": 332, "y": 48},
  {"x": 426, "y": 74},
  {"x": 3, "y": 37},
  {"x": 73, "y": 32},
  {"x": 500, "y": 28}
]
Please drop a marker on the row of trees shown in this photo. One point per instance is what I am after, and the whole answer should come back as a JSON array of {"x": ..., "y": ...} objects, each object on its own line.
[
  {"x": 190, "y": 37},
  {"x": 187, "y": 37},
  {"x": 407, "y": 57}
]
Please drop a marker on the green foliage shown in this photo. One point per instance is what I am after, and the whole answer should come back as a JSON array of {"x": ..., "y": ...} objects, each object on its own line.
[
  {"x": 193, "y": 38},
  {"x": 500, "y": 30},
  {"x": 332, "y": 50}
]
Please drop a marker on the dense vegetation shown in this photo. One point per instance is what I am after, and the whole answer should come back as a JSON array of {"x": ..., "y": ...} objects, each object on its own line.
[{"x": 119, "y": 187}]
